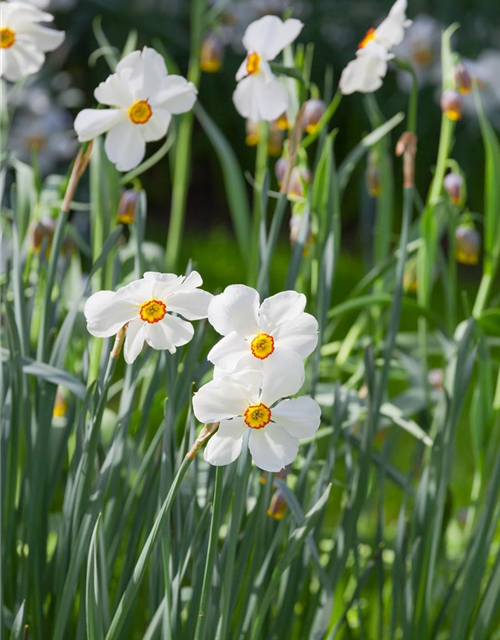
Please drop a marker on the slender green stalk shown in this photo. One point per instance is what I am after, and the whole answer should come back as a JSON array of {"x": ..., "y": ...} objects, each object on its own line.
[
  {"x": 260, "y": 170},
  {"x": 211, "y": 551},
  {"x": 183, "y": 146}
]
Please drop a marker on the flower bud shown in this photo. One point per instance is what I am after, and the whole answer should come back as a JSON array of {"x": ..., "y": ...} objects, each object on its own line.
[
  {"x": 451, "y": 104},
  {"x": 275, "y": 140},
  {"x": 127, "y": 207},
  {"x": 60, "y": 405},
  {"x": 252, "y": 130},
  {"x": 39, "y": 231},
  {"x": 277, "y": 508},
  {"x": 212, "y": 54},
  {"x": 313, "y": 111},
  {"x": 467, "y": 244},
  {"x": 435, "y": 378},
  {"x": 372, "y": 176},
  {"x": 282, "y": 122},
  {"x": 295, "y": 226},
  {"x": 280, "y": 169},
  {"x": 410, "y": 283},
  {"x": 298, "y": 176},
  {"x": 453, "y": 184},
  {"x": 463, "y": 80}
]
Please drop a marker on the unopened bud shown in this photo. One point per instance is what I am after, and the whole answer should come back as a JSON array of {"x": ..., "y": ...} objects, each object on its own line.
[
  {"x": 277, "y": 508},
  {"x": 298, "y": 177},
  {"x": 282, "y": 122},
  {"x": 60, "y": 405},
  {"x": 280, "y": 169},
  {"x": 372, "y": 175},
  {"x": 451, "y": 104},
  {"x": 453, "y": 184},
  {"x": 295, "y": 227},
  {"x": 410, "y": 283},
  {"x": 467, "y": 244},
  {"x": 252, "y": 137},
  {"x": 127, "y": 207},
  {"x": 212, "y": 54},
  {"x": 463, "y": 80},
  {"x": 40, "y": 231},
  {"x": 435, "y": 378},
  {"x": 312, "y": 114},
  {"x": 275, "y": 140}
]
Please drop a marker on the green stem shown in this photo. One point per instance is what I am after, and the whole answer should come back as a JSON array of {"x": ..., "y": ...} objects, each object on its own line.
[
  {"x": 260, "y": 170},
  {"x": 183, "y": 146},
  {"x": 212, "y": 549}
]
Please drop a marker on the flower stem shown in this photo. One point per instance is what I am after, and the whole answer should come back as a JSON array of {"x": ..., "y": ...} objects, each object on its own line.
[{"x": 260, "y": 170}]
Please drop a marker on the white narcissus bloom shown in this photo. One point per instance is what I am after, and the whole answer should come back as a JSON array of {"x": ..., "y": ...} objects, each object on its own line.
[
  {"x": 143, "y": 98},
  {"x": 366, "y": 72},
  {"x": 145, "y": 306},
  {"x": 256, "y": 335},
  {"x": 23, "y": 41},
  {"x": 422, "y": 47},
  {"x": 249, "y": 401},
  {"x": 259, "y": 94}
]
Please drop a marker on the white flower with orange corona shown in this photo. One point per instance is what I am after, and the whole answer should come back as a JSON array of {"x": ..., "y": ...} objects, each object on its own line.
[
  {"x": 143, "y": 98},
  {"x": 259, "y": 94},
  {"x": 252, "y": 402},
  {"x": 366, "y": 72},
  {"x": 23, "y": 40},
  {"x": 276, "y": 332},
  {"x": 154, "y": 310}
]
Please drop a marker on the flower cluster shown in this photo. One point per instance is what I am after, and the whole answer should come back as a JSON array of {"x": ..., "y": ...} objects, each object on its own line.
[{"x": 259, "y": 362}]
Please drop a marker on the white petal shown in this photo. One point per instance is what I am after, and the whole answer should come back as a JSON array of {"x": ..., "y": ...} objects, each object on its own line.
[
  {"x": 16, "y": 15},
  {"x": 169, "y": 333},
  {"x": 106, "y": 313},
  {"x": 192, "y": 305},
  {"x": 272, "y": 447},
  {"x": 270, "y": 35},
  {"x": 299, "y": 416},
  {"x": 20, "y": 60},
  {"x": 364, "y": 73},
  {"x": 138, "y": 292},
  {"x": 43, "y": 38},
  {"x": 177, "y": 95},
  {"x": 283, "y": 376},
  {"x": 157, "y": 126},
  {"x": 279, "y": 308},
  {"x": 225, "y": 445},
  {"x": 145, "y": 72},
  {"x": 225, "y": 398},
  {"x": 134, "y": 340},
  {"x": 114, "y": 92},
  {"x": 392, "y": 30},
  {"x": 242, "y": 70},
  {"x": 228, "y": 352},
  {"x": 91, "y": 123},
  {"x": 166, "y": 284},
  {"x": 257, "y": 98},
  {"x": 236, "y": 309},
  {"x": 299, "y": 335},
  {"x": 125, "y": 146}
]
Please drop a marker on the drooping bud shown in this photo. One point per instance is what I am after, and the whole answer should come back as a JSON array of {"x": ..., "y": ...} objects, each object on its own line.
[
  {"x": 60, "y": 405},
  {"x": 453, "y": 184},
  {"x": 127, "y": 207},
  {"x": 212, "y": 54},
  {"x": 372, "y": 176},
  {"x": 275, "y": 139},
  {"x": 435, "y": 378},
  {"x": 282, "y": 122},
  {"x": 277, "y": 508},
  {"x": 467, "y": 244},
  {"x": 295, "y": 228},
  {"x": 298, "y": 177},
  {"x": 252, "y": 130},
  {"x": 313, "y": 111},
  {"x": 40, "y": 231},
  {"x": 280, "y": 169},
  {"x": 463, "y": 80},
  {"x": 451, "y": 104}
]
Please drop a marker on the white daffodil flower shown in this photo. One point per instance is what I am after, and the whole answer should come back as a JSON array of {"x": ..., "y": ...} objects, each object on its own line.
[
  {"x": 257, "y": 335},
  {"x": 366, "y": 72},
  {"x": 259, "y": 94},
  {"x": 23, "y": 41},
  {"x": 422, "y": 47},
  {"x": 143, "y": 98},
  {"x": 250, "y": 400},
  {"x": 145, "y": 307}
]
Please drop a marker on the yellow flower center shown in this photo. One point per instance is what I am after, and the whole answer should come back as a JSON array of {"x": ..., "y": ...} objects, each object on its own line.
[
  {"x": 423, "y": 56},
  {"x": 153, "y": 311},
  {"x": 282, "y": 122},
  {"x": 454, "y": 113},
  {"x": 253, "y": 63},
  {"x": 369, "y": 36},
  {"x": 262, "y": 346},
  {"x": 140, "y": 112},
  {"x": 257, "y": 416},
  {"x": 7, "y": 38}
]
